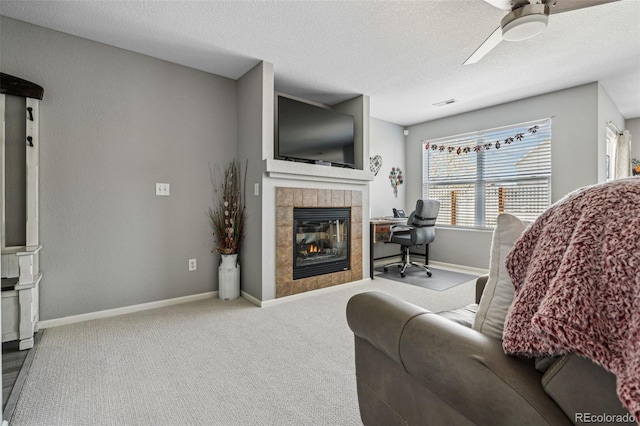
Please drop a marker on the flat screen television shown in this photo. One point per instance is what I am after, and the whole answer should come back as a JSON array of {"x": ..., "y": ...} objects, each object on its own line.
[{"x": 313, "y": 134}]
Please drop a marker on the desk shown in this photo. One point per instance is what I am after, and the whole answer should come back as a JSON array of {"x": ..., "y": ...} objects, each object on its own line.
[{"x": 380, "y": 231}]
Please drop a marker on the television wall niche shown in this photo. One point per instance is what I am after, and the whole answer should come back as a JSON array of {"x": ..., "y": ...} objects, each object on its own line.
[{"x": 316, "y": 134}]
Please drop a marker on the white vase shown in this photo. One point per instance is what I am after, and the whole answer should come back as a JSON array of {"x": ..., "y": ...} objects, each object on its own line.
[{"x": 229, "y": 277}]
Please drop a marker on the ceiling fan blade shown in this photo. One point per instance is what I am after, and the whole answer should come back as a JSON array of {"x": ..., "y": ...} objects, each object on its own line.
[
  {"x": 487, "y": 46},
  {"x": 559, "y": 6},
  {"x": 500, "y": 4}
]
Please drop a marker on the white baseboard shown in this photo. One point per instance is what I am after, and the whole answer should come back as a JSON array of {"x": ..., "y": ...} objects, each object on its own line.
[
  {"x": 458, "y": 268},
  {"x": 285, "y": 299},
  {"x": 124, "y": 310},
  {"x": 250, "y": 298},
  {"x": 195, "y": 297}
]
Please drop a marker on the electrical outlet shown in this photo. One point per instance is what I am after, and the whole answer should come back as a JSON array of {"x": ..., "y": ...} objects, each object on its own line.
[
  {"x": 192, "y": 265},
  {"x": 162, "y": 189}
]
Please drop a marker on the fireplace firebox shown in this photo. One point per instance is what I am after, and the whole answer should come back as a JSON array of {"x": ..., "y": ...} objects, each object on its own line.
[{"x": 321, "y": 238}]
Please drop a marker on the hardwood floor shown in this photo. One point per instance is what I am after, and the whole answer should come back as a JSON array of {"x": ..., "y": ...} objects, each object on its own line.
[{"x": 15, "y": 366}]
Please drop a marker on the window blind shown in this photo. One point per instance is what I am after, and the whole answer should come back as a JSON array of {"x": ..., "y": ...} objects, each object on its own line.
[{"x": 478, "y": 175}]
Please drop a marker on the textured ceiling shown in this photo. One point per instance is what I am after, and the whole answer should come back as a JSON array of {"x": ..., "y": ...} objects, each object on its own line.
[{"x": 406, "y": 55}]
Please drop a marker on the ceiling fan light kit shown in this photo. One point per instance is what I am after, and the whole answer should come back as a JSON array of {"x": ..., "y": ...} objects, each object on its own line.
[
  {"x": 525, "y": 22},
  {"x": 527, "y": 19}
]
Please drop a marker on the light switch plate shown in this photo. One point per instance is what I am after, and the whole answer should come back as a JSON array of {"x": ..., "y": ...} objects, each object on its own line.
[{"x": 162, "y": 189}]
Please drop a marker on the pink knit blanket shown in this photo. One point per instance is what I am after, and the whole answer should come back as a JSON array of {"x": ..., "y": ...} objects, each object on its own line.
[{"x": 576, "y": 273}]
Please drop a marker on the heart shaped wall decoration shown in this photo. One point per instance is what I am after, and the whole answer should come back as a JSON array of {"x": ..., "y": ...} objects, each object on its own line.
[{"x": 375, "y": 164}]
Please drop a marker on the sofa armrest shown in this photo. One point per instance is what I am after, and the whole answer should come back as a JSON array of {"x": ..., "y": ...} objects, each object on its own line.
[
  {"x": 578, "y": 385},
  {"x": 466, "y": 369},
  {"x": 471, "y": 372},
  {"x": 380, "y": 319},
  {"x": 481, "y": 283}
]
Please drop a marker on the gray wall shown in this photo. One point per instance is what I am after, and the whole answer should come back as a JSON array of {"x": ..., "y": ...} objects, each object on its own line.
[
  {"x": 113, "y": 123},
  {"x": 388, "y": 141},
  {"x": 633, "y": 126},
  {"x": 575, "y": 161},
  {"x": 255, "y": 130},
  {"x": 607, "y": 112}
]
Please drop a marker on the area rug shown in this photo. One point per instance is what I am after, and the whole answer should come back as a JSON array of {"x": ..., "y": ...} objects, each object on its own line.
[{"x": 441, "y": 279}]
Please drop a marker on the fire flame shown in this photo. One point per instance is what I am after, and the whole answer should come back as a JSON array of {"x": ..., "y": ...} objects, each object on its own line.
[{"x": 311, "y": 249}]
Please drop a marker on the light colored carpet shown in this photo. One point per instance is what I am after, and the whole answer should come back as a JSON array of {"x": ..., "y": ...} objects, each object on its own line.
[{"x": 209, "y": 362}]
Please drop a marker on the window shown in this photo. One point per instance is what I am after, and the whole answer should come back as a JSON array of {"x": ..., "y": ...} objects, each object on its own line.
[{"x": 477, "y": 176}]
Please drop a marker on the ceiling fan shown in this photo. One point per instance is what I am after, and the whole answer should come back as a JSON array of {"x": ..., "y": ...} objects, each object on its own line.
[{"x": 525, "y": 20}]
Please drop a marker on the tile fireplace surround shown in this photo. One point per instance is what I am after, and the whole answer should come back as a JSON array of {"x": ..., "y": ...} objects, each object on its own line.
[{"x": 286, "y": 200}]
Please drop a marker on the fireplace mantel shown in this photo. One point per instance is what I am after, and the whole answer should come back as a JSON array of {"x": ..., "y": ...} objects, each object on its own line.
[{"x": 280, "y": 169}]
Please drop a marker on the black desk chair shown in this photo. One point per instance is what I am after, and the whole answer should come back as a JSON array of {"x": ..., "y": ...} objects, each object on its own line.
[{"x": 419, "y": 230}]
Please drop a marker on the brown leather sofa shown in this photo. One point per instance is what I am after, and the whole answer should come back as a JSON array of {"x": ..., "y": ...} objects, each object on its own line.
[{"x": 422, "y": 368}]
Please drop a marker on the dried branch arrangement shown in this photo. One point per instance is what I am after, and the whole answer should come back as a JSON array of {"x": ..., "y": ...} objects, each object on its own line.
[{"x": 227, "y": 215}]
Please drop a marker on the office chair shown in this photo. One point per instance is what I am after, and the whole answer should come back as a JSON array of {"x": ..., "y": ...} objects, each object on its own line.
[{"x": 419, "y": 230}]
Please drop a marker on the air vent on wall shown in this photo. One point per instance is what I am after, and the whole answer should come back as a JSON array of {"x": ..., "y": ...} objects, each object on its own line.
[{"x": 447, "y": 102}]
